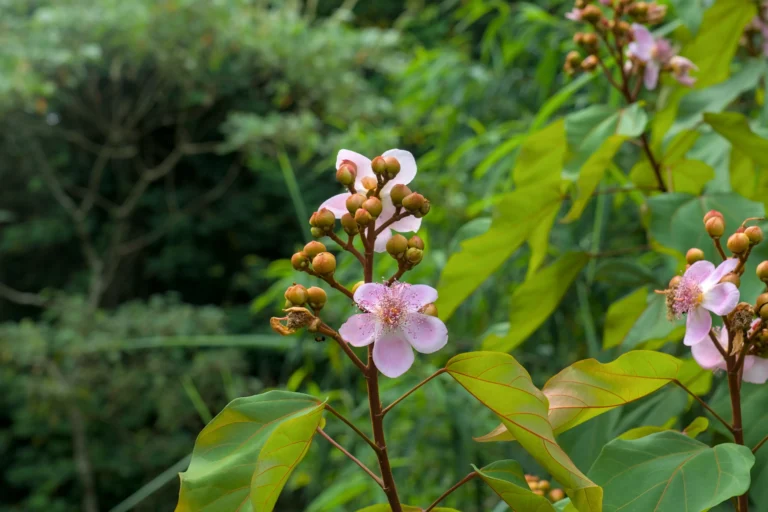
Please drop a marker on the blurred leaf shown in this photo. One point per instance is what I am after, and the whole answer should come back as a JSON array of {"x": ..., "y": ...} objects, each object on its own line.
[
  {"x": 500, "y": 383},
  {"x": 621, "y": 316},
  {"x": 584, "y": 442},
  {"x": 735, "y": 127},
  {"x": 646, "y": 430},
  {"x": 684, "y": 176},
  {"x": 694, "y": 377},
  {"x": 691, "y": 12},
  {"x": 541, "y": 155},
  {"x": 653, "y": 327},
  {"x": 406, "y": 508},
  {"x": 340, "y": 493},
  {"x": 507, "y": 479},
  {"x": 264, "y": 341},
  {"x": 696, "y": 427},
  {"x": 534, "y": 301},
  {"x": 664, "y": 470}
]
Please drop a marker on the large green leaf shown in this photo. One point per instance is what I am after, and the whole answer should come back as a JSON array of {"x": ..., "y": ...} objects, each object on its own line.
[
  {"x": 735, "y": 127},
  {"x": 500, "y": 383},
  {"x": 243, "y": 456},
  {"x": 507, "y": 479},
  {"x": 541, "y": 155},
  {"x": 548, "y": 286},
  {"x": 670, "y": 472},
  {"x": 622, "y": 315}
]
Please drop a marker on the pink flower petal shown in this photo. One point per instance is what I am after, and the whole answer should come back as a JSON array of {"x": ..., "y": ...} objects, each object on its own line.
[
  {"x": 707, "y": 355},
  {"x": 368, "y": 295},
  {"x": 724, "y": 268},
  {"x": 721, "y": 298},
  {"x": 363, "y": 165},
  {"x": 651, "y": 75},
  {"x": 699, "y": 271},
  {"x": 407, "y": 224},
  {"x": 392, "y": 354},
  {"x": 417, "y": 295},
  {"x": 757, "y": 373},
  {"x": 359, "y": 330},
  {"x": 380, "y": 245},
  {"x": 425, "y": 333},
  {"x": 697, "y": 326},
  {"x": 644, "y": 42},
  {"x": 407, "y": 168},
  {"x": 574, "y": 14},
  {"x": 337, "y": 204}
]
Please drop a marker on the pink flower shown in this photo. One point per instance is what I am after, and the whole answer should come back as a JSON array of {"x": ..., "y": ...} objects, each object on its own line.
[
  {"x": 680, "y": 69},
  {"x": 337, "y": 204},
  {"x": 606, "y": 2},
  {"x": 654, "y": 53},
  {"x": 700, "y": 292},
  {"x": 709, "y": 358},
  {"x": 393, "y": 324},
  {"x": 574, "y": 14}
]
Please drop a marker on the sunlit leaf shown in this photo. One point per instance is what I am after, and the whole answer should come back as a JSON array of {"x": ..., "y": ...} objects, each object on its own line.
[
  {"x": 500, "y": 383},
  {"x": 696, "y": 427},
  {"x": 735, "y": 127},
  {"x": 670, "y": 472},
  {"x": 507, "y": 479},
  {"x": 622, "y": 315}
]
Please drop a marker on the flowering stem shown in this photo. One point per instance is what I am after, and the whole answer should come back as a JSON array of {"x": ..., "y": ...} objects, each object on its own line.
[
  {"x": 719, "y": 248},
  {"x": 713, "y": 337},
  {"x": 352, "y": 457},
  {"x": 400, "y": 271},
  {"x": 396, "y": 217},
  {"x": 449, "y": 491},
  {"x": 348, "y": 246},
  {"x": 705, "y": 405},
  {"x": 352, "y": 426},
  {"x": 334, "y": 284},
  {"x": 417, "y": 386},
  {"x": 652, "y": 159},
  {"x": 734, "y": 388}
]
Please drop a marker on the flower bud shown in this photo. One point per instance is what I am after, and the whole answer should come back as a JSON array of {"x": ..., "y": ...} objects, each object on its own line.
[
  {"x": 712, "y": 213},
  {"x": 638, "y": 9},
  {"x": 589, "y": 40},
  {"x": 314, "y": 248},
  {"x": 693, "y": 255},
  {"x": 538, "y": 492},
  {"x": 393, "y": 166},
  {"x": 731, "y": 278},
  {"x": 357, "y": 285},
  {"x": 316, "y": 297},
  {"x": 324, "y": 263},
  {"x": 674, "y": 282},
  {"x": 430, "y": 309},
  {"x": 416, "y": 241},
  {"x": 589, "y": 64},
  {"x": 573, "y": 59},
  {"x": 556, "y": 495},
  {"x": 349, "y": 224},
  {"x": 317, "y": 232},
  {"x": 379, "y": 165},
  {"x": 369, "y": 183},
  {"x": 300, "y": 261},
  {"x": 398, "y": 193},
  {"x": 397, "y": 245},
  {"x": 414, "y": 255},
  {"x": 313, "y": 219},
  {"x": 346, "y": 173},
  {"x": 424, "y": 209},
  {"x": 355, "y": 202},
  {"x": 325, "y": 219},
  {"x": 413, "y": 202},
  {"x": 715, "y": 227},
  {"x": 738, "y": 243},
  {"x": 363, "y": 217},
  {"x": 374, "y": 206},
  {"x": 623, "y": 28},
  {"x": 592, "y": 13},
  {"x": 544, "y": 485},
  {"x": 762, "y": 271},
  {"x": 531, "y": 478},
  {"x": 755, "y": 234},
  {"x": 296, "y": 295},
  {"x": 761, "y": 306}
]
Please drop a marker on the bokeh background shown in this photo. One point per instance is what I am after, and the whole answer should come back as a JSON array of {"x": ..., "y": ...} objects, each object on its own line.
[{"x": 159, "y": 160}]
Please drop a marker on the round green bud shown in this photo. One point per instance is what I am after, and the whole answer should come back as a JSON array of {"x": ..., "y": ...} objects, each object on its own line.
[
  {"x": 416, "y": 241},
  {"x": 349, "y": 224},
  {"x": 355, "y": 202},
  {"x": 317, "y": 232},
  {"x": 346, "y": 173},
  {"x": 300, "y": 260},
  {"x": 731, "y": 278},
  {"x": 379, "y": 165},
  {"x": 424, "y": 208},
  {"x": 738, "y": 243},
  {"x": 397, "y": 245},
  {"x": 374, "y": 206},
  {"x": 316, "y": 297},
  {"x": 694, "y": 255},
  {"x": 363, "y": 217},
  {"x": 573, "y": 59},
  {"x": 414, "y": 255},
  {"x": 413, "y": 202},
  {"x": 762, "y": 271},
  {"x": 761, "y": 306},
  {"x": 297, "y": 295},
  {"x": 324, "y": 263},
  {"x": 325, "y": 219},
  {"x": 314, "y": 248},
  {"x": 755, "y": 234},
  {"x": 429, "y": 309},
  {"x": 398, "y": 193},
  {"x": 369, "y": 183},
  {"x": 715, "y": 226},
  {"x": 313, "y": 219},
  {"x": 393, "y": 166}
]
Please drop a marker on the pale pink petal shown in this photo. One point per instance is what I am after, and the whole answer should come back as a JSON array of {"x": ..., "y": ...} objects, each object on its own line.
[
  {"x": 359, "y": 330},
  {"x": 651, "y": 75},
  {"x": 707, "y": 355},
  {"x": 425, "y": 333},
  {"x": 757, "y": 373},
  {"x": 685, "y": 80},
  {"x": 699, "y": 271},
  {"x": 697, "y": 326},
  {"x": 643, "y": 45},
  {"x": 724, "y": 268},
  {"x": 363, "y": 165},
  {"x": 337, "y": 204},
  {"x": 380, "y": 245},
  {"x": 417, "y": 295},
  {"x": 721, "y": 298},
  {"x": 387, "y": 209},
  {"x": 574, "y": 14},
  {"x": 392, "y": 354},
  {"x": 407, "y": 168},
  {"x": 368, "y": 295},
  {"x": 407, "y": 224}
]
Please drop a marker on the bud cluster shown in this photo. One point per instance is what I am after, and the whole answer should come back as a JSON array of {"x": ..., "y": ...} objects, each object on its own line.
[
  {"x": 543, "y": 488},
  {"x": 408, "y": 252},
  {"x": 314, "y": 258}
]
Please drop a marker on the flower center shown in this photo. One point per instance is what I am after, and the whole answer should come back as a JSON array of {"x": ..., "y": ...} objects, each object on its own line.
[
  {"x": 391, "y": 309},
  {"x": 688, "y": 296}
]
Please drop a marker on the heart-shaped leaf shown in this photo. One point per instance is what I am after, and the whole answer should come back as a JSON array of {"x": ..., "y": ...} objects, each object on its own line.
[{"x": 507, "y": 479}]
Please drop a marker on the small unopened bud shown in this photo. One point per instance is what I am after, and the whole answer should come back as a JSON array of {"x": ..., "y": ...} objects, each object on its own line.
[
  {"x": 316, "y": 297},
  {"x": 313, "y": 219},
  {"x": 674, "y": 282},
  {"x": 346, "y": 173},
  {"x": 589, "y": 40},
  {"x": 424, "y": 208},
  {"x": 363, "y": 217},
  {"x": 623, "y": 28},
  {"x": 379, "y": 165},
  {"x": 349, "y": 224},
  {"x": 355, "y": 202},
  {"x": 538, "y": 492},
  {"x": 693, "y": 255},
  {"x": 297, "y": 295},
  {"x": 573, "y": 58},
  {"x": 413, "y": 202},
  {"x": 314, "y": 248},
  {"x": 731, "y": 278},
  {"x": 738, "y": 243},
  {"x": 393, "y": 166},
  {"x": 398, "y": 193},
  {"x": 324, "y": 263},
  {"x": 578, "y": 38},
  {"x": 762, "y": 271},
  {"x": 755, "y": 234},
  {"x": 300, "y": 261},
  {"x": 712, "y": 213},
  {"x": 397, "y": 245},
  {"x": 416, "y": 241},
  {"x": 357, "y": 285},
  {"x": 317, "y": 232},
  {"x": 325, "y": 219},
  {"x": 639, "y": 9},
  {"x": 544, "y": 485},
  {"x": 761, "y": 306},
  {"x": 369, "y": 183},
  {"x": 531, "y": 478},
  {"x": 590, "y": 63},
  {"x": 592, "y": 13},
  {"x": 556, "y": 495},
  {"x": 374, "y": 206},
  {"x": 429, "y": 309},
  {"x": 715, "y": 227},
  {"x": 414, "y": 255}
]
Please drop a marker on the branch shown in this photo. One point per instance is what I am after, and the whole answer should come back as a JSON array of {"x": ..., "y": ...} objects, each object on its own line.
[
  {"x": 352, "y": 457},
  {"x": 705, "y": 405},
  {"x": 417, "y": 386},
  {"x": 328, "y": 331},
  {"x": 396, "y": 217},
  {"x": 23, "y": 298},
  {"x": 719, "y": 248},
  {"x": 332, "y": 282},
  {"x": 720, "y": 349},
  {"x": 348, "y": 246},
  {"x": 761, "y": 443},
  {"x": 353, "y": 427},
  {"x": 449, "y": 491}
]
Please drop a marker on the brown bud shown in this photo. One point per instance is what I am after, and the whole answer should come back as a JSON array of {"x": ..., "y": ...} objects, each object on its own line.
[
  {"x": 623, "y": 28},
  {"x": 424, "y": 208},
  {"x": 397, "y": 245},
  {"x": 556, "y": 495},
  {"x": 369, "y": 183},
  {"x": 314, "y": 248},
  {"x": 761, "y": 306},
  {"x": 416, "y": 241},
  {"x": 300, "y": 260},
  {"x": 544, "y": 485},
  {"x": 531, "y": 478},
  {"x": 573, "y": 58},
  {"x": 674, "y": 282},
  {"x": 374, "y": 206},
  {"x": 357, "y": 285},
  {"x": 297, "y": 295},
  {"x": 578, "y": 38},
  {"x": 589, "y": 40},
  {"x": 762, "y": 271},
  {"x": 317, "y": 232},
  {"x": 363, "y": 217},
  {"x": 379, "y": 165},
  {"x": 538, "y": 492},
  {"x": 742, "y": 316},
  {"x": 712, "y": 213},
  {"x": 738, "y": 243},
  {"x": 413, "y": 202},
  {"x": 731, "y": 278},
  {"x": 414, "y": 255},
  {"x": 398, "y": 193},
  {"x": 592, "y": 13},
  {"x": 693, "y": 255},
  {"x": 755, "y": 234},
  {"x": 316, "y": 297},
  {"x": 324, "y": 263},
  {"x": 349, "y": 224},
  {"x": 639, "y": 9},
  {"x": 715, "y": 226},
  {"x": 393, "y": 166},
  {"x": 346, "y": 173},
  {"x": 355, "y": 202},
  {"x": 325, "y": 219},
  {"x": 589, "y": 63},
  {"x": 429, "y": 309}
]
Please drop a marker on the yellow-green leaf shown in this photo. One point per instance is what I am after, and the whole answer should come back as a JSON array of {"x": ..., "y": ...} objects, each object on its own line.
[
  {"x": 622, "y": 315},
  {"x": 541, "y": 155},
  {"x": 735, "y": 127},
  {"x": 507, "y": 479},
  {"x": 406, "y": 508},
  {"x": 500, "y": 383},
  {"x": 697, "y": 426},
  {"x": 590, "y": 175},
  {"x": 533, "y": 301}
]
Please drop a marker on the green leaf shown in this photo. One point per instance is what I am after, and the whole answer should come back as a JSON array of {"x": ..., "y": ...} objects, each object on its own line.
[
  {"x": 653, "y": 327},
  {"x": 670, "y": 472},
  {"x": 645, "y": 431},
  {"x": 735, "y": 127},
  {"x": 622, "y": 315},
  {"x": 507, "y": 479},
  {"x": 500, "y": 383},
  {"x": 541, "y": 155},
  {"x": 406, "y": 508},
  {"x": 244, "y": 444},
  {"x": 691, "y": 12},
  {"x": 680, "y": 145},
  {"x": 696, "y": 427},
  {"x": 591, "y": 174},
  {"x": 533, "y": 301}
]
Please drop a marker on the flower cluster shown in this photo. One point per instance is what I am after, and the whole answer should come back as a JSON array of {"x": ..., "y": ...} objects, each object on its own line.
[
  {"x": 755, "y": 37},
  {"x": 651, "y": 56},
  {"x": 741, "y": 343}
]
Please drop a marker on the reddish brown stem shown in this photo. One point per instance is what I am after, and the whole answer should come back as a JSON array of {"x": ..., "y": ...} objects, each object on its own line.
[
  {"x": 761, "y": 443},
  {"x": 347, "y": 246},
  {"x": 325, "y": 329},
  {"x": 351, "y": 457},
  {"x": 332, "y": 282},
  {"x": 449, "y": 491},
  {"x": 352, "y": 426},
  {"x": 705, "y": 405},
  {"x": 713, "y": 337},
  {"x": 396, "y": 217},
  {"x": 719, "y": 248},
  {"x": 734, "y": 387},
  {"x": 400, "y": 271}
]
